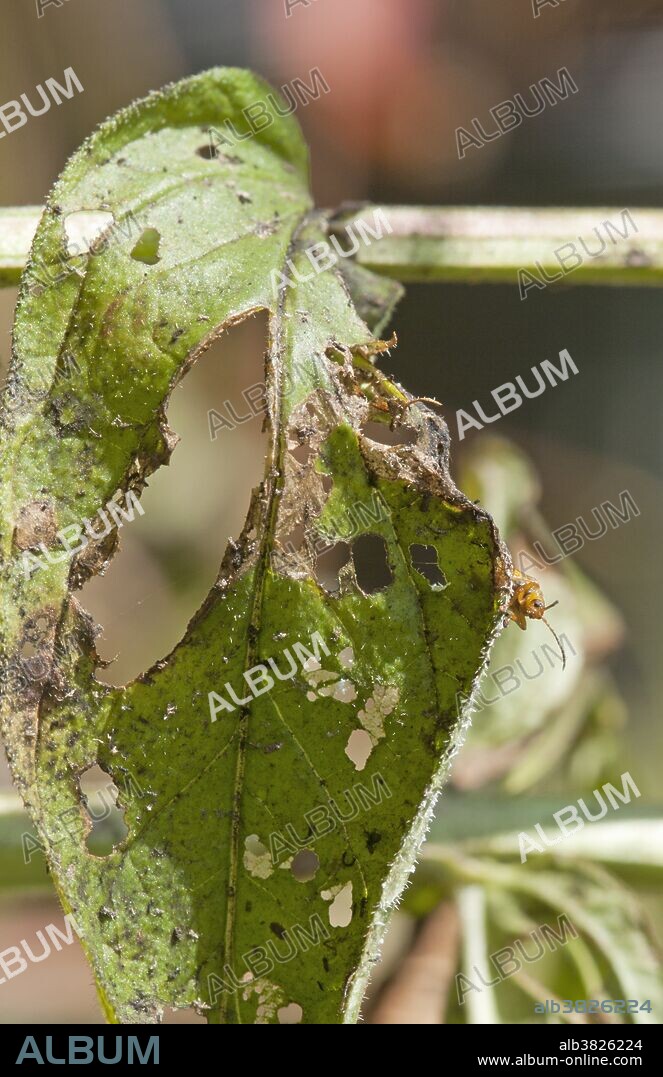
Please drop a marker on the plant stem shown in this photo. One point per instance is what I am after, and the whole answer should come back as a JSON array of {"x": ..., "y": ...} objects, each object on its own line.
[
  {"x": 491, "y": 243},
  {"x": 481, "y": 1010},
  {"x": 17, "y": 227},
  {"x": 463, "y": 244}
]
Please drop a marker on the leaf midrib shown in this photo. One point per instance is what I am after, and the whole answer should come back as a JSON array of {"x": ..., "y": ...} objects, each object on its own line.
[{"x": 272, "y": 481}]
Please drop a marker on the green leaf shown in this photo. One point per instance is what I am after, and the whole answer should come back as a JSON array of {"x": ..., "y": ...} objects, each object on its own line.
[
  {"x": 491, "y": 826},
  {"x": 478, "y": 816},
  {"x": 610, "y": 919},
  {"x": 194, "y": 245},
  {"x": 21, "y": 863},
  {"x": 630, "y": 846},
  {"x": 607, "y": 916}
]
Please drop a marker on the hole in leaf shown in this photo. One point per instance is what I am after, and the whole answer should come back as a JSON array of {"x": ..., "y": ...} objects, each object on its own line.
[
  {"x": 82, "y": 228},
  {"x": 295, "y": 538},
  {"x": 28, "y": 649},
  {"x": 305, "y": 865},
  {"x": 100, "y": 803},
  {"x": 359, "y": 748},
  {"x": 301, "y": 452},
  {"x": 384, "y": 435},
  {"x": 292, "y": 549},
  {"x": 146, "y": 249},
  {"x": 169, "y": 557},
  {"x": 35, "y": 634},
  {"x": 372, "y": 566},
  {"x": 328, "y": 565},
  {"x": 425, "y": 562}
]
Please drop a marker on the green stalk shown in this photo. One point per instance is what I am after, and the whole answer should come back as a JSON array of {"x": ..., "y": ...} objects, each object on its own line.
[
  {"x": 487, "y": 244},
  {"x": 17, "y": 227},
  {"x": 490, "y": 244}
]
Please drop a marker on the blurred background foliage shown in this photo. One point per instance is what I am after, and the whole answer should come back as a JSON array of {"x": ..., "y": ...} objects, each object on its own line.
[{"x": 404, "y": 74}]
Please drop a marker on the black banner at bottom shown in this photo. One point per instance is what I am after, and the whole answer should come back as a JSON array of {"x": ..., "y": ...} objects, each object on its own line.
[{"x": 476, "y": 1047}]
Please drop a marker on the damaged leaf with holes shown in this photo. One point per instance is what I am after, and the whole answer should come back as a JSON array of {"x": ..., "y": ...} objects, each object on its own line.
[{"x": 264, "y": 848}]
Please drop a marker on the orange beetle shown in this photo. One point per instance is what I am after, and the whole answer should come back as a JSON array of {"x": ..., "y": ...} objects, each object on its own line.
[{"x": 528, "y": 601}]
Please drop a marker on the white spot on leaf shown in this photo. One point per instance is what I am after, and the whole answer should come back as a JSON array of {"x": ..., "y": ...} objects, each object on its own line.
[
  {"x": 341, "y": 689},
  {"x": 270, "y": 998},
  {"x": 378, "y": 707},
  {"x": 345, "y": 691},
  {"x": 359, "y": 748},
  {"x": 290, "y": 1015},
  {"x": 82, "y": 228},
  {"x": 340, "y": 910},
  {"x": 320, "y": 676},
  {"x": 257, "y": 860}
]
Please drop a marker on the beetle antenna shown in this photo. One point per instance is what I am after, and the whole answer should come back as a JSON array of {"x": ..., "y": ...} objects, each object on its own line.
[
  {"x": 421, "y": 400},
  {"x": 559, "y": 642}
]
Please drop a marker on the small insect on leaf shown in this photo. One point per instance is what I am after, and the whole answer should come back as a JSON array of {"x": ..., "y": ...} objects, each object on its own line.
[{"x": 528, "y": 601}]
